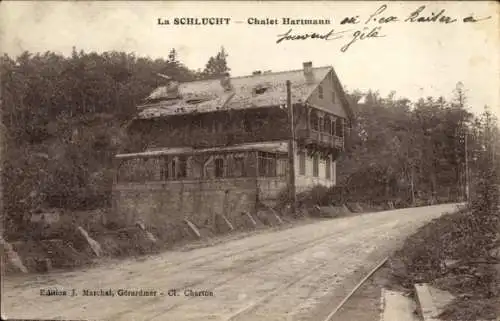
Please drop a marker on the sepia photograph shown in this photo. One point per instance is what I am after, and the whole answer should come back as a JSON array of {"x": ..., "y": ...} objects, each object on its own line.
[{"x": 250, "y": 160}]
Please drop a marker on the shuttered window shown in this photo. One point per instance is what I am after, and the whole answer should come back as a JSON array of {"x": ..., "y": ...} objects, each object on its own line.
[
  {"x": 328, "y": 168},
  {"x": 315, "y": 165},
  {"x": 302, "y": 163},
  {"x": 219, "y": 167}
]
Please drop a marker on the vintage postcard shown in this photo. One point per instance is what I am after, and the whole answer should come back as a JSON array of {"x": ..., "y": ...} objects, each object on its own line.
[{"x": 249, "y": 160}]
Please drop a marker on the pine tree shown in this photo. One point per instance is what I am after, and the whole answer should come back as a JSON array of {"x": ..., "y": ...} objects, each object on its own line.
[
  {"x": 216, "y": 66},
  {"x": 487, "y": 194}
]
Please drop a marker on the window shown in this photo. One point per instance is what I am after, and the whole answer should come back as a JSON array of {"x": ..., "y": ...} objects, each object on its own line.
[
  {"x": 125, "y": 171},
  {"x": 219, "y": 126},
  {"x": 334, "y": 171},
  {"x": 219, "y": 167},
  {"x": 340, "y": 130},
  {"x": 320, "y": 92},
  {"x": 282, "y": 166},
  {"x": 260, "y": 90},
  {"x": 227, "y": 123},
  {"x": 314, "y": 121},
  {"x": 247, "y": 125},
  {"x": 328, "y": 168},
  {"x": 267, "y": 164},
  {"x": 182, "y": 173},
  {"x": 334, "y": 125},
  {"x": 328, "y": 126},
  {"x": 315, "y": 165},
  {"x": 213, "y": 126},
  {"x": 196, "y": 166},
  {"x": 333, "y": 96},
  {"x": 153, "y": 168},
  {"x": 302, "y": 163},
  {"x": 164, "y": 169},
  {"x": 239, "y": 166},
  {"x": 196, "y": 123},
  {"x": 171, "y": 169}
]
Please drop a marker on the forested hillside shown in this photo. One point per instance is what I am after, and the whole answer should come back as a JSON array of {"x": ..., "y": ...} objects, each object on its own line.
[
  {"x": 64, "y": 119},
  {"x": 415, "y": 151}
]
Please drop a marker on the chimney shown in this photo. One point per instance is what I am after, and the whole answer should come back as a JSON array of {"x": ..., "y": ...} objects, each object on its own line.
[
  {"x": 308, "y": 71},
  {"x": 225, "y": 82}
]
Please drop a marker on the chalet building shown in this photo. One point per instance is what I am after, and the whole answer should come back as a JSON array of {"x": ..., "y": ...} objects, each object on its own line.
[{"x": 221, "y": 146}]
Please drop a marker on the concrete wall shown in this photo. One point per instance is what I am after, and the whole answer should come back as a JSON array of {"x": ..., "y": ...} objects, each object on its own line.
[
  {"x": 198, "y": 200},
  {"x": 308, "y": 180},
  {"x": 270, "y": 188}
]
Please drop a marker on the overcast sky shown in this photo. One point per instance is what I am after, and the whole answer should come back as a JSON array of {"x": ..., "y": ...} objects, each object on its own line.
[{"x": 413, "y": 59}]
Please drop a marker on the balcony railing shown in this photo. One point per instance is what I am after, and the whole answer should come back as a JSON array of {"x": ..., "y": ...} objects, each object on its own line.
[{"x": 314, "y": 137}]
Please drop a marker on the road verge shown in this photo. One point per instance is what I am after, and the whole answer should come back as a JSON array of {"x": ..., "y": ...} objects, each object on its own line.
[{"x": 454, "y": 253}]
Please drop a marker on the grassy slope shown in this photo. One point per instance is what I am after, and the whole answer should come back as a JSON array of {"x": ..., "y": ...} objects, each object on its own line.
[{"x": 454, "y": 253}]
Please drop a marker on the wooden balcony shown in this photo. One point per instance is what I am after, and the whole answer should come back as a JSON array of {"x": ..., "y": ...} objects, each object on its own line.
[
  {"x": 221, "y": 139},
  {"x": 205, "y": 140},
  {"x": 321, "y": 139},
  {"x": 208, "y": 140}
]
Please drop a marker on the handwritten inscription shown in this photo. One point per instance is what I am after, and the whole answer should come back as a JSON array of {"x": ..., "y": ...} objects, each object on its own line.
[
  {"x": 331, "y": 35},
  {"x": 358, "y": 28},
  {"x": 418, "y": 16},
  {"x": 377, "y": 16},
  {"x": 358, "y": 35},
  {"x": 362, "y": 35},
  {"x": 380, "y": 17}
]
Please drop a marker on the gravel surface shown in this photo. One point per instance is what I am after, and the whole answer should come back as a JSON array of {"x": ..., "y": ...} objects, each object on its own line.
[{"x": 300, "y": 273}]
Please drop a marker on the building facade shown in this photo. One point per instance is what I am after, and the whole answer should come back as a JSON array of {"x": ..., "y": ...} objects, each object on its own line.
[{"x": 215, "y": 147}]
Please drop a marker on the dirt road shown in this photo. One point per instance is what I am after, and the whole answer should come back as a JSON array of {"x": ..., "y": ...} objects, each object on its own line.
[{"x": 300, "y": 273}]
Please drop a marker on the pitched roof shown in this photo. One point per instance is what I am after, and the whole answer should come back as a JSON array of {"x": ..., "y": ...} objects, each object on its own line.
[{"x": 208, "y": 95}]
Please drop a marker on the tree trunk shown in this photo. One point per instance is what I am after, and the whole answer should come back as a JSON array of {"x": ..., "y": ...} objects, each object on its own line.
[
  {"x": 433, "y": 187},
  {"x": 412, "y": 186}
]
